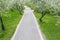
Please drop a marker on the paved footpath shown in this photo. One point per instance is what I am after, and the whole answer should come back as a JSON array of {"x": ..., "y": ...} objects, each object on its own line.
[{"x": 27, "y": 30}]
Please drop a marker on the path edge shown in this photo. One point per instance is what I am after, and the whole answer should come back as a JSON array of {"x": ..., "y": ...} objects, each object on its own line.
[
  {"x": 17, "y": 28},
  {"x": 40, "y": 33}
]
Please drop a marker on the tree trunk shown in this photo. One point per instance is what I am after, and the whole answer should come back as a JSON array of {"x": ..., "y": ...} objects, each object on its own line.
[
  {"x": 2, "y": 23},
  {"x": 43, "y": 14}
]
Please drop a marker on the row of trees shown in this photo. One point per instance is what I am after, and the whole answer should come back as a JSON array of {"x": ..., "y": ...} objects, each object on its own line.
[
  {"x": 42, "y": 6},
  {"x": 46, "y": 7},
  {"x": 9, "y": 5}
]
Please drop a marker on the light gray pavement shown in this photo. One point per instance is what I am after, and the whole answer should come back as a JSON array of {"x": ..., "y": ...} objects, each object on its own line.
[{"x": 27, "y": 29}]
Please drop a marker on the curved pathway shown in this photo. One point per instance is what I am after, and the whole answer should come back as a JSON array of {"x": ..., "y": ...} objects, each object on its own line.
[{"x": 27, "y": 29}]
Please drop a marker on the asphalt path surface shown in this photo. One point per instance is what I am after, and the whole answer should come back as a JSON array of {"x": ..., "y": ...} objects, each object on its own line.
[{"x": 28, "y": 28}]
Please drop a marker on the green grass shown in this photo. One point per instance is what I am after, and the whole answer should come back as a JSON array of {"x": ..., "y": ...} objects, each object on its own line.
[
  {"x": 10, "y": 19},
  {"x": 48, "y": 27}
]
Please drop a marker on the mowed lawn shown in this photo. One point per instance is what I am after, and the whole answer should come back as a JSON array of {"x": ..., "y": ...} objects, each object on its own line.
[
  {"x": 11, "y": 19},
  {"x": 49, "y": 27}
]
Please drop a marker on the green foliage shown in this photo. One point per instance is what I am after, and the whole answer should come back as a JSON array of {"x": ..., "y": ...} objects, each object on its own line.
[
  {"x": 10, "y": 16},
  {"x": 10, "y": 19}
]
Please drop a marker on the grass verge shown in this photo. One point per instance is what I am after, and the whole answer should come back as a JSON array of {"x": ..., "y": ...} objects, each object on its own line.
[
  {"x": 10, "y": 19},
  {"x": 49, "y": 27}
]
